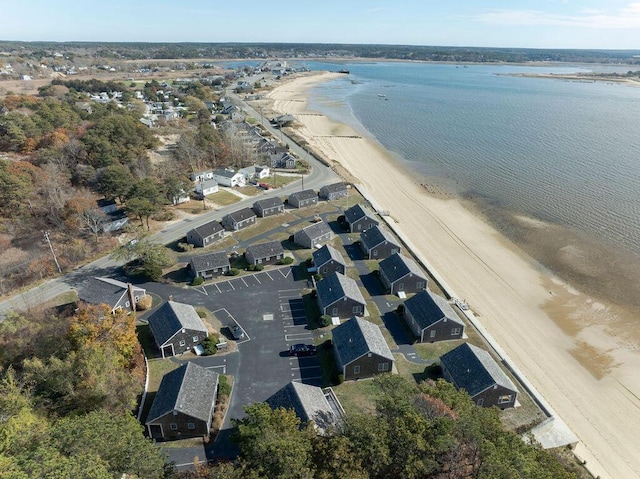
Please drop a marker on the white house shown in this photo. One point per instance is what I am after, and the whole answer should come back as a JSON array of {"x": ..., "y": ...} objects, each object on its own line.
[
  {"x": 228, "y": 177},
  {"x": 255, "y": 172},
  {"x": 206, "y": 187},
  {"x": 201, "y": 175}
]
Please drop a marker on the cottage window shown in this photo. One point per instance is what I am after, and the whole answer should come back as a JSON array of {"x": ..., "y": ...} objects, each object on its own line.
[
  {"x": 400, "y": 286},
  {"x": 480, "y": 402},
  {"x": 432, "y": 333},
  {"x": 420, "y": 284},
  {"x": 394, "y": 250},
  {"x": 182, "y": 343},
  {"x": 455, "y": 331},
  {"x": 375, "y": 252},
  {"x": 196, "y": 339},
  {"x": 357, "y": 309},
  {"x": 356, "y": 370},
  {"x": 383, "y": 367},
  {"x": 325, "y": 269},
  {"x": 334, "y": 312},
  {"x": 127, "y": 304},
  {"x": 173, "y": 426},
  {"x": 259, "y": 260},
  {"x": 191, "y": 425},
  {"x": 504, "y": 399}
]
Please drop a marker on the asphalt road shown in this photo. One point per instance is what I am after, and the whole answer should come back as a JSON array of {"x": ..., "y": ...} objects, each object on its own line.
[{"x": 319, "y": 176}]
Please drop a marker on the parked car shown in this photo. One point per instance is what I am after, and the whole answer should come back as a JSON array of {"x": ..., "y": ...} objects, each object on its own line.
[
  {"x": 302, "y": 350},
  {"x": 236, "y": 331}
]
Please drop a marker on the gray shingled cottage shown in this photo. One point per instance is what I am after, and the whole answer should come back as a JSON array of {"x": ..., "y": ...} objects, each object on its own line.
[
  {"x": 360, "y": 349},
  {"x": 268, "y": 207},
  {"x": 239, "y": 219},
  {"x": 303, "y": 198},
  {"x": 209, "y": 265},
  {"x": 264, "y": 253},
  {"x": 333, "y": 191},
  {"x": 184, "y": 404},
  {"x": 359, "y": 218},
  {"x": 312, "y": 235},
  {"x": 206, "y": 234},
  {"x": 473, "y": 369},
  {"x": 328, "y": 260},
  {"x": 116, "y": 294},
  {"x": 176, "y": 328},
  {"x": 431, "y": 318},
  {"x": 339, "y": 296},
  {"x": 378, "y": 243},
  {"x": 399, "y": 273}
]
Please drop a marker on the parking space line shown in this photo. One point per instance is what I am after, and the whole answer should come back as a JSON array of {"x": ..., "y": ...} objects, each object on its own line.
[
  {"x": 285, "y": 275},
  {"x": 217, "y": 288},
  {"x": 269, "y": 276},
  {"x": 245, "y": 283},
  {"x": 231, "y": 284},
  {"x": 294, "y": 336},
  {"x": 288, "y": 290},
  {"x": 305, "y": 367},
  {"x": 256, "y": 278},
  {"x": 224, "y": 368}
]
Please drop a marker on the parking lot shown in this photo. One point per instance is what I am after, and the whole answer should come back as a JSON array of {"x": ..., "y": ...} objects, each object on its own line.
[{"x": 268, "y": 306}]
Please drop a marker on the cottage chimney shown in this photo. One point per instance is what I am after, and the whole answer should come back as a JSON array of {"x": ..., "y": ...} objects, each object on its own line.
[{"x": 132, "y": 298}]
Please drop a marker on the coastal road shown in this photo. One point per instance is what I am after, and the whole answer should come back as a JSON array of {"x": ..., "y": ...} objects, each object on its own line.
[{"x": 319, "y": 176}]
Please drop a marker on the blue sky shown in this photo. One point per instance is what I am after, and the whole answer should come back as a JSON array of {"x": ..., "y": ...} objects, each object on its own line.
[{"x": 606, "y": 24}]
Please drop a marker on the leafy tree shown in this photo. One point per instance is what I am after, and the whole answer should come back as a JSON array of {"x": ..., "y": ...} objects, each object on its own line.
[
  {"x": 17, "y": 181},
  {"x": 273, "y": 444},
  {"x": 144, "y": 200},
  {"x": 150, "y": 257},
  {"x": 115, "y": 182}
]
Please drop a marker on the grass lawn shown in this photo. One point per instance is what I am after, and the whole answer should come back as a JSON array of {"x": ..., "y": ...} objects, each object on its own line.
[
  {"x": 157, "y": 369},
  {"x": 250, "y": 190},
  {"x": 433, "y": 351},
  {"x": 263, "y": 225},
  {"x": 372, "y": 265},
  {"x": 223, "y": 198},
  {"x": 61, "y": 300},
  {"x": 357, "y": 396},
  {"x": 278, "y": 181},
  {"x": 411, "y": 371}
]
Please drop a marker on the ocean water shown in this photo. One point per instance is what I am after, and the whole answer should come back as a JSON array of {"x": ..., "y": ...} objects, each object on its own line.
[{"x": 565, "y": 152}]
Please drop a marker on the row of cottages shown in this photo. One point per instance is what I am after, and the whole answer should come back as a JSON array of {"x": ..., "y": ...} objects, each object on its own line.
[
  {"x": 313, "y": 235},
  {"x": 304, "y": 198},
  {"x": 431, "y": 318},
  {"x": 310, "y": 404},
  {"x": 206, "y": 234},
  {"x": 473, "y": 369},
  {"x": 209, "y": 265},
  {"x": 176, "y": 328},
  {"x": 340, "y": 297},
  {"x": 327, "y": 260},
  {"x": 239, "y": 219},
  {"x": 360, "y": 349},
  {"x": 401, "y": 275},
  {"x": 183, "y": 406},
  {"x": 334, "y": 191},
  {"x": 116, "y": 294},
  {"x": 264, "y": 253},
  {"x": 268, "y": 207},
  {"x": 378, "y": 243},
  {"x": 359, "y": 218}
]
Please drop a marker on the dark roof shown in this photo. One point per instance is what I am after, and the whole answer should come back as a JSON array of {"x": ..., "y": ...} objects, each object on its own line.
[
  {"x": 171, "y": 317},
  {"x": 397, "y": 266},
  {"x": 303, "y": 195},
  {"x": 105, "y": 202},
  {"x": 203, "y": 262},
  {"x": 474, "y": 370},
  {"x": 241, "y": 215},
  {"x": 116, "y": 215},
  {"x": 356, "y": 337},
  {"x": 208, "y": 183},
  {"x": 428, "y": 308},
  {"x": 335, "y": 187},
  {"x": 335, "y": 286},
  {"x": 103, "y": 290},
  {"x": 265, "y": 250},
  {"x": 316, "y": 230},
  {"x": 224, "y": 172},
  {"x": 190, "y": 389},
  {"x": 208, "y": 229},
  {"x": 268, "y": 202},
  {"x": 326, "y": 253},
  {"x": 376, "y": 235},
  {"x": 357, "y": 212},
  {"x": 308, "y": 402}
]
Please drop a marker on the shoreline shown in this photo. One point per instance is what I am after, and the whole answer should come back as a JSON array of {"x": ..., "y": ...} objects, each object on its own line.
[{"x": 518, "y": 301}]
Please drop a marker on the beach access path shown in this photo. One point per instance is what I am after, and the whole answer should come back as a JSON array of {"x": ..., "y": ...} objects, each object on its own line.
[{"x": 508, "y": 292}]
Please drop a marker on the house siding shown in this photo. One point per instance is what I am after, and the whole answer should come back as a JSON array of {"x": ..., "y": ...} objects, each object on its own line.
[
  {"x": 344, "y": 308},
  {"x": 196, "y": 240},
  {"x": 182, "y": 422},
  {"x": 211, "y": 273},
  {"x": 331, "y": 266},
  {"x": 362, "y": 224},
  {"x": 410, "y": 283},
  {"x": 491, "y": 397},
  {"x": 382, "y": 251},
  {"x": 303, "y": 239},
  {"x": 303, "y": 203},
  {"x": 251, "y": 259},
  {"x": 232, "y": 225},
  {"x": 368, "y": 365},
  {"x": 187, "y": 337},
  {"x": 264, "y": 212}
]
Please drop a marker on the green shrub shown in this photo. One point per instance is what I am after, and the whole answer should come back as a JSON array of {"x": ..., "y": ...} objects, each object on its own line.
[
  {"x": 185, "y": 246},
  {"x": 233, "y": 272},
  {"x": 210, "y": 345},
  {"x": 325, "y": 320},
  {"x": 153, "y": 272},
  {"x": 317, "y": 277},
  {"x": 201, "y": 312},
  {"x": 224, "y": 388},
  {"x": 197, "y": 281},
  {"x": 340, "y": 378},
  {"x": 309, "y": 262},
  {"x": 255, "y": 267},
  {"x": 286, "y": 260}
]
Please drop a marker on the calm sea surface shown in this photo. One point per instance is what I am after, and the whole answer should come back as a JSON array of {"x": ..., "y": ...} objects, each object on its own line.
[{"x": 564, "y": 152}]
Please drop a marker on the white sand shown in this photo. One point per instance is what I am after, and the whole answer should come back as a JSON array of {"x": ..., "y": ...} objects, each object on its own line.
[{"x": 587, "y": 370}]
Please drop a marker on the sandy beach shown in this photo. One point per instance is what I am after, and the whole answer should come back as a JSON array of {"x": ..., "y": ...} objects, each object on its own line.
[{"x": 579, "y": 352}]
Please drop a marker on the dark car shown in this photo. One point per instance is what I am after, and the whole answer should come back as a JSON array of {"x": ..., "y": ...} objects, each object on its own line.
[
  {"x": 236, "y": 331},
  {"x": 302, "y": 350}
]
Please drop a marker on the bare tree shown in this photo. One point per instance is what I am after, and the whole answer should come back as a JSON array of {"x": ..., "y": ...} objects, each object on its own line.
[{"x": 92, "y": 219}]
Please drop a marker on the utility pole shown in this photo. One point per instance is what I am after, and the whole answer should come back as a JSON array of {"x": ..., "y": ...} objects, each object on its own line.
[{"x": 46, "y": 237}]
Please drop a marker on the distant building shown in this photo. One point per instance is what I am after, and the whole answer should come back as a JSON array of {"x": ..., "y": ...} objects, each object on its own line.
[
  {"x": 360, "y": 218},
  {"x": 334, "y": 191},
  {"x": 229, "y": 178},
  {"x": 109, "y": 291},
  {"x": 177, "y": 328},
  {"x": 206, "y": 187},
  {"x": 238, "y": 220},
  {"x": 268, "y": 207},
  {"x": 400, "y": 274},
  {"x": 378, "y": 243},
  {"x": 329, "y": 260},
  {"x": 209, "y": 265}
]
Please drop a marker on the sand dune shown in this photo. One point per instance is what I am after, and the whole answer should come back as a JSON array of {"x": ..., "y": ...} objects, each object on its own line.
[{"x": 572, "y": 348}]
